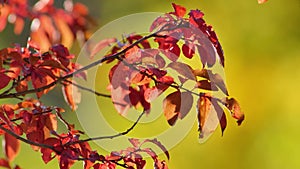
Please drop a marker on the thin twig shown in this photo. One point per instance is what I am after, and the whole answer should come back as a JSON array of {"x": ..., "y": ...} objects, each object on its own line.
[
  {"x": 91, "y": 65},
  {"x": 88, "y": 89},
  {"x": 111, "y": 136}
]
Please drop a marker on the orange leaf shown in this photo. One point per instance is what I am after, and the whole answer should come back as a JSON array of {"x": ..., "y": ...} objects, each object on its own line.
[
  {"x": 22, "y": 86},
  {"x": 171, "y": 107},
  {"x": 262, "y": 1},
  {"x": 11, "y": 146},
  {"x": 51, "y": 122},
  {"x": 204, "y": 107},
  {"x": 210, "y": 114},
  {"x": 235, "y": 109},
  {"x": 19, "y": 25},
  {"x": 67, "y": 36},
  {"x": 72, "y": 95}
]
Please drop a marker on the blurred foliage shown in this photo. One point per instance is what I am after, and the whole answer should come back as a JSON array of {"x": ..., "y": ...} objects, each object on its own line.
[{"x": 261, "y": 45}]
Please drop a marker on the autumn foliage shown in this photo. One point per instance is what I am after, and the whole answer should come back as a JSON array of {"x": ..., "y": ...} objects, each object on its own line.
[{"x": 140, "y": 73}]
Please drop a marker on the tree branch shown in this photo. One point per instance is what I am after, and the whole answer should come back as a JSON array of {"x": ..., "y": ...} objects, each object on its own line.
[
  {"x": 25, "y": 140},
  {"x": 112, "y": 136},
  {"x": 91, "y": 65}
]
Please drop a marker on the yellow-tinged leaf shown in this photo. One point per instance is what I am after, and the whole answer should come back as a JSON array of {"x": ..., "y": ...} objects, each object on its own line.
[{"x": 235, "y": 110}]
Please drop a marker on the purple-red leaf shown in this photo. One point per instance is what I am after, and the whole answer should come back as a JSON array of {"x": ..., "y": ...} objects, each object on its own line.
[{"x": 183, "y": 69}]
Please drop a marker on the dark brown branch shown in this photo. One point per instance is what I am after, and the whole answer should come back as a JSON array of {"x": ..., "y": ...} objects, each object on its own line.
[
  {"x": 88, "y": 89},
  {"x": 111, "y": 136}
]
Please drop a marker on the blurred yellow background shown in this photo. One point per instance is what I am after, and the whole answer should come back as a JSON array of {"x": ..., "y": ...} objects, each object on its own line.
[{"x": 262, "y": 65}]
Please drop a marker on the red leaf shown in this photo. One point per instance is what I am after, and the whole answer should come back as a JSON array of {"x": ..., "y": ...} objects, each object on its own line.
[
  {"x": 172, "y": 52},
  {"x": 206, "y": 85},
  {"x": 11, "y": 146},
  {"x": 179, "y": 10},
  {"x": 4, "y": 80},
  {"x": 188, "y": 50},
  {"x": 171, "y": 107},
  {"x": 36, "y": 136},
  {"x": 72, "y": 95},
  {"x": 183, "y": 69},
  {"x": 47, "y": 153},
  {"x": 101, "y": 45},
  {"x": 40, "y": 79},
  {"x": 14, "y": 69},
  {"x": 17, "y": 167},
  {"x": 54, "y": 64},
  {"x": 160, "y": 164},
  {"x": 4, "y": 163}
]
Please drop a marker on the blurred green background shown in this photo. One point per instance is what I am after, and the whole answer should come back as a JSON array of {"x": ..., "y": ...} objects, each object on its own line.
[{"x": 262, "y": 64}]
